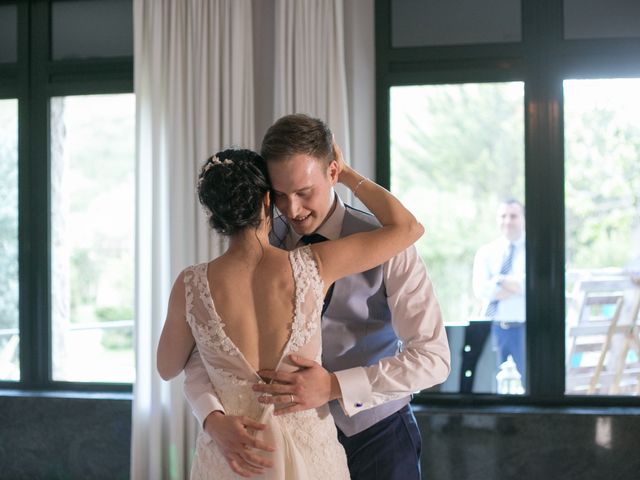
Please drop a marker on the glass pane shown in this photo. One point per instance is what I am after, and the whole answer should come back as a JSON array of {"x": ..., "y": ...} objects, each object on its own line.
[
  {"x": 92, "y": 234},
  {"x": 9, "y": 334},
  {"x": 99, "y": 28},
  {"x": 457, "y": 160},
  {"x": 8, "y": 33},
  {"x": 601, "y": 19},
  {"x": 602, "y": 205},
  {"x": 416, "y": 23}
]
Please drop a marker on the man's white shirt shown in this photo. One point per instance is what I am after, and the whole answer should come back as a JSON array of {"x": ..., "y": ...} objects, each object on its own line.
[{"x": 486, "y": 276}]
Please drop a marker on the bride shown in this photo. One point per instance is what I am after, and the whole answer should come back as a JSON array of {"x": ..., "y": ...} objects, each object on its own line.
[{"x": 256, "y": 304}]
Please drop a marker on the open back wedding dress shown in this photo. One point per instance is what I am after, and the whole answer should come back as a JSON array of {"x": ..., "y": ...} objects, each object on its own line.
[{"x": 306, "y": 444}]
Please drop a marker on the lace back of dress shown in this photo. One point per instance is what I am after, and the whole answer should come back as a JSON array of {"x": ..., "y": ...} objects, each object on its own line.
[
  {"x": 309, "y": 299},
  {"x": 206, "y": 325}
]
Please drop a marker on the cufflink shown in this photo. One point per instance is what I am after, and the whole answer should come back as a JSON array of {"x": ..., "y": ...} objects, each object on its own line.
[{"x": 357, "y": 405}]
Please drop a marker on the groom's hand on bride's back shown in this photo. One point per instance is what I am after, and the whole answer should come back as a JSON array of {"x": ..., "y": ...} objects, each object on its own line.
[
  {"x": 310, "y": 387},
  {"x": 233, "y": 435}
]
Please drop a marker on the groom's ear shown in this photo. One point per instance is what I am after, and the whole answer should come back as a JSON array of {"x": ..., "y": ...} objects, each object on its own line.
[
  {"x": 267, "y": 200},
  {"x": 332, "y": 172}
]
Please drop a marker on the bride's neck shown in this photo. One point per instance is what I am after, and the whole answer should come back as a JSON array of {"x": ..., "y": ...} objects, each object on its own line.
[{"x": 249, "y": 243}]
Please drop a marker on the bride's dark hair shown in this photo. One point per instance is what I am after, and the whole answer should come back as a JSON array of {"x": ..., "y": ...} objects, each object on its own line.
[{"x": 231, "y": 186}]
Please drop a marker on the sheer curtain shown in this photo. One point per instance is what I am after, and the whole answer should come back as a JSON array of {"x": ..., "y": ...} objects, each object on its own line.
[
  {"x": 194, "y": 91},
  {"x": 195, "y": 84},
  {"x": 310, "y": 63}
]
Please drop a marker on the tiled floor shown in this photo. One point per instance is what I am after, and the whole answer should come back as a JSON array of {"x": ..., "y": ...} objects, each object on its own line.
[{"x": 536, "y": 446}]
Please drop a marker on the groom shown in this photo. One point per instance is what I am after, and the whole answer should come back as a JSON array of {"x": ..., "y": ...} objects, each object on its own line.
[{"x": 383, "y": 336}]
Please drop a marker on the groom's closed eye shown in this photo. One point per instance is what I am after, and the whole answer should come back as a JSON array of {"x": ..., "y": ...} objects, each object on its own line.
[{"x": 300, "y": 193}]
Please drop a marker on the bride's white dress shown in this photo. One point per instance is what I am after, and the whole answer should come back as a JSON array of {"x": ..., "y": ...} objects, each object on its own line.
[{"x": 306, "y": 444}]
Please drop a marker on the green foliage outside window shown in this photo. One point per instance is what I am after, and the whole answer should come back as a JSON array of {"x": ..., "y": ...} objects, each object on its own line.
[
  {"x": 8, "y": 215},
  {"x": 602, "y": 168},
  {"x": 456, "y": 150}
]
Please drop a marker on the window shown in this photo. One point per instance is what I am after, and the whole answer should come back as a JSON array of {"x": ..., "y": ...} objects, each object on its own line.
[
  {"x": 91, "y": 29},
  {"x": 601, "y": 19},
  {"x": 9, "y": 333},
  {"x": 602, "y": 204},
  {"x": 67, "y": 126},
  {"x": 92, "y": 237},
  {"x": 454, "y": 23},
  {"x": 455, "y": 177},
  {"x": 545, "y": 112},
  {"x": 8, "y": 33}
]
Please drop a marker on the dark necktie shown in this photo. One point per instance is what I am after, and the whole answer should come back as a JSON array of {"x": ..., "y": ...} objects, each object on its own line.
[
  {"x": 317, "y": 238},
  {"x": 507, "y": 263},
  {"x": 313, "y": 238}
]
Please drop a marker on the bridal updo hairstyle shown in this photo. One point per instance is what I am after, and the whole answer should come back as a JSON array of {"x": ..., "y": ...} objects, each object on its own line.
[{"x": 231, "y": 186}]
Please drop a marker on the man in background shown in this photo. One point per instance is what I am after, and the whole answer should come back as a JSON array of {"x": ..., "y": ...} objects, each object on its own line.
[{"x": 499, "y": 282}]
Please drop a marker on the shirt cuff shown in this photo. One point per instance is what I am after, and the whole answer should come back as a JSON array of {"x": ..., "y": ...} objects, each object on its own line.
[
  {"x": 204, "y": 405},
  {"x": 356, "y": 390}
]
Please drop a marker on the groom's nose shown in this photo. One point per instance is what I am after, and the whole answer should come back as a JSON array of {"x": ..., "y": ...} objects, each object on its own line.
[{"x": 293, "y": 207}]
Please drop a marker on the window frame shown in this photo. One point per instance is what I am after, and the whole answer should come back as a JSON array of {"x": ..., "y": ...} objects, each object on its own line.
[
  {"x": 542, "y": 60},
  {"x": 34, "y": 79}
]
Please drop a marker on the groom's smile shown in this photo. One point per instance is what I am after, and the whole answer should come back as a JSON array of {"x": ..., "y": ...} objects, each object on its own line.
[{"x": 303, "y": 188}]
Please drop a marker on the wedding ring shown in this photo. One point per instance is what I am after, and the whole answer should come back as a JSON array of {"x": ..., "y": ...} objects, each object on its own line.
[{"x": 291, "y": 397}]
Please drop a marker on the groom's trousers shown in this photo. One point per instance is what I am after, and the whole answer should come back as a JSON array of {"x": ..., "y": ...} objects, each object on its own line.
[{"x": 388, "y": 450}]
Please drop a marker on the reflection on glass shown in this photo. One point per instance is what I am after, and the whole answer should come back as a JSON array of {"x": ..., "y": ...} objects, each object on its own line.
[
  {"x": 419, "y": 23},
  {"x": 8, "y": 33},
  {"x": 100, "y": 28},
  {"x": 92, "y": 235},
  {"x": 457, "y": 160},
  {"x": 602, "y": 204},
  {"x": 9, "y": 333},
  {"x": 601, "y": 19}
]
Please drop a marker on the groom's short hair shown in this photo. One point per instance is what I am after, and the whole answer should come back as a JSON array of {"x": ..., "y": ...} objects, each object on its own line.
[{"x": 298, "y": 134}]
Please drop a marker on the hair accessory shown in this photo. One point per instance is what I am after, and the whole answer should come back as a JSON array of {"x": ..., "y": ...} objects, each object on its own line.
[{"x": 216, "y": 161}]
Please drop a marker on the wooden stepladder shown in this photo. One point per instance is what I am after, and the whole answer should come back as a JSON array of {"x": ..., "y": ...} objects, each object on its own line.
[
  {"x": 627, "y": 379},
  {"x": 603, "y": 335}
]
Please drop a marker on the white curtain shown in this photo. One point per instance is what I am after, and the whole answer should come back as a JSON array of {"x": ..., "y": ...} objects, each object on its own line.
[
  {"x": 310, "y": 63},
  {"x": 194, "y": 85},
  {"x": 359, "y": 40},
  {"x": 194, "y": 91}
]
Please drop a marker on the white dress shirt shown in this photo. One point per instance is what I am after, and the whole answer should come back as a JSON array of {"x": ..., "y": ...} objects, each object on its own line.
[{"x": 486, "y": 278}]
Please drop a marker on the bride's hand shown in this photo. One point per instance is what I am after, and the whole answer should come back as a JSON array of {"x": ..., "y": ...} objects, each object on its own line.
[
  {"x": 339, "y": 158},
  {"x": 233, "y": 435}
]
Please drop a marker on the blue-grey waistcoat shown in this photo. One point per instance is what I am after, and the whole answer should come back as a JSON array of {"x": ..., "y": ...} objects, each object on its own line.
[{"x": 356, "y": 326}]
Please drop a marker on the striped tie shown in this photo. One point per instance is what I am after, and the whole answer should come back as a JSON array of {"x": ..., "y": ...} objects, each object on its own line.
[{"x": 507, "y": 263}]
